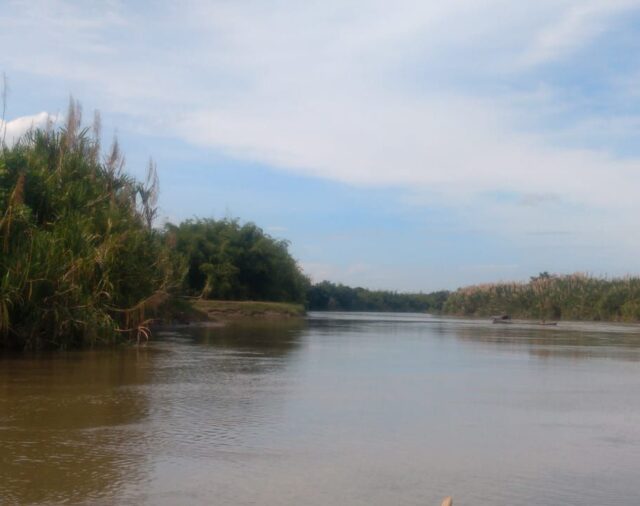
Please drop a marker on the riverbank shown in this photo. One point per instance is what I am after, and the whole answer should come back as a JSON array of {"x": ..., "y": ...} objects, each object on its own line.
[
  {"x": 550, "y": 297},
  {"x": 223, "y": 310}
]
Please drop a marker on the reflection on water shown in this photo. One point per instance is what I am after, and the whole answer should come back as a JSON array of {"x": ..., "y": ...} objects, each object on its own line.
[
  {"x": 68, "y": 425},
  {"x": 219, "y": 388},
  {"x": 358, "y": 409},
  {"x": 569, "y": 340},
  {"x": 271, "y": 337}
]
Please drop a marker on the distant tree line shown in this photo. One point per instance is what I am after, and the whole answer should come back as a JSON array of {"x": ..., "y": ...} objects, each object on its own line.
[
  {"x": 547, "y": 296},
  {"x": 327, "y": 296}
]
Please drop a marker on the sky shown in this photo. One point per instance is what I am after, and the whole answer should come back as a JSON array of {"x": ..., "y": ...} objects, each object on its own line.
[{"x": 412, "y": 145}]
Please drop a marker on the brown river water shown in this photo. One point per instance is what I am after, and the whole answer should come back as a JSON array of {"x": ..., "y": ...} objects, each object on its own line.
[{"x": 338, "y": 409}]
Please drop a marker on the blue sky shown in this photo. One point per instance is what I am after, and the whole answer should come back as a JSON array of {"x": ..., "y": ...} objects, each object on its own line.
[{"x": 411, "y": 145}]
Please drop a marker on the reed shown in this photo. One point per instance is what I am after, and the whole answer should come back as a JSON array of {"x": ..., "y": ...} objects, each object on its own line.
[
  {"x": 571, "y": 297},
  {"x": 80, "y": 260}
]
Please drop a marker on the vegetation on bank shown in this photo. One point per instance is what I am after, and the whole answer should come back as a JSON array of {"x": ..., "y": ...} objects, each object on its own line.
[
  {"x": 328, "y": 296},
  {"x": 230, "y": 309},
  {"x": 543, "y": 297},
  {"x": 80, "y": 260},
  {"x": 552, "y": 297}
]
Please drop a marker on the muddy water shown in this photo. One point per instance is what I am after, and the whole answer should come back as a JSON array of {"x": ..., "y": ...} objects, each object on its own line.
[{"x": 343, "y": 409}]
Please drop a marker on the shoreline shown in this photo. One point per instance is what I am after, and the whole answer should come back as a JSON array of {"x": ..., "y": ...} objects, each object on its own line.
[{"x": 207, "y": 312}]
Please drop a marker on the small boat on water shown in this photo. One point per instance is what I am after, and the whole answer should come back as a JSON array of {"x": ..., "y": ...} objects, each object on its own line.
[{"x": 505, "y": 318}]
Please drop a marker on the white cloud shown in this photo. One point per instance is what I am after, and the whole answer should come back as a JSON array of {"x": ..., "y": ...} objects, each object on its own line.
[
  {"x": 362, "y": 92},
  {"x": 11, "y": 131}
]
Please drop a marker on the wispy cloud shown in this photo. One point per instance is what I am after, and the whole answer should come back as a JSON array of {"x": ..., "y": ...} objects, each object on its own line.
[
  {"x": 450, "y": 100},
  {"x": 538, "y": 199},
  {"x": 322, "y": 89},
  {"x": 573, "y": 27}
]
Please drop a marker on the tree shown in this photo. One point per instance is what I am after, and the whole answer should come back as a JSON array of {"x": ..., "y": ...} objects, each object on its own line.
[{"x": 230, "y": 260}]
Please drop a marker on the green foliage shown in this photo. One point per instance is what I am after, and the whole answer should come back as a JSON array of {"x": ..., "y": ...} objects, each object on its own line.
[
  {"x": 247, "y": 309},
  {"x": 328, "y": 296},
  {"x": 79, "y": 260},
  {"x": 232, "y": 261},
  {"x": 573, "y": 297}
]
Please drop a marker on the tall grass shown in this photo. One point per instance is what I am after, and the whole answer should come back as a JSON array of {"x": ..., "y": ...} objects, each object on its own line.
[
  {"x": 572, "y": 297},
  {"x": 80, "y": 262}
]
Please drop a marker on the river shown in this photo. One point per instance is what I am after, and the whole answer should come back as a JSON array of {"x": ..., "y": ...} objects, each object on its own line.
[{"x": 338, "y": 409}]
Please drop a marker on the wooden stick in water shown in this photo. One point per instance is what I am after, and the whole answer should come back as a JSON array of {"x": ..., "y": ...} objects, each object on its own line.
[{"x": 447, "y": 502}]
